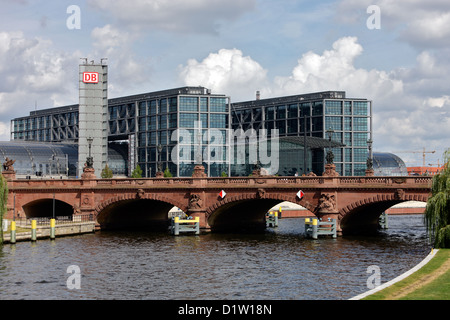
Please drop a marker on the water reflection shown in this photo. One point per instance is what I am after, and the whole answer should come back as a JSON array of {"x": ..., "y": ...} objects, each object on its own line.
[{"x": 278, "y": 264}]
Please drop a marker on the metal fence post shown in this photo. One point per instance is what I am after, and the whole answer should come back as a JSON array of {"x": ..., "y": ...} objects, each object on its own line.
[
  {"x": 52, "y": 228},
  {"x": 33, "y": 230},
  {"x": 13, "y": 232},
  {"x": 314, "y": 229}
]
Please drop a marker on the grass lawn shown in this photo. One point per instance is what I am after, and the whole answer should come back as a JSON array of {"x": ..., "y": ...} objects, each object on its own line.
[{"x": 431, "y": 282}]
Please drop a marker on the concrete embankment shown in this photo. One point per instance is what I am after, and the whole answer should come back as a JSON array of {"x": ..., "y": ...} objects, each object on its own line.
[{"x": 43, "y": 232}]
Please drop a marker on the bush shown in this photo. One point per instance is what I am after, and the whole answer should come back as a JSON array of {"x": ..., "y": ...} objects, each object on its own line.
[
  {"x": 106, "y": 173},
  {"x": 167, "y": 173},
  {"x": 137, "y": 172}
]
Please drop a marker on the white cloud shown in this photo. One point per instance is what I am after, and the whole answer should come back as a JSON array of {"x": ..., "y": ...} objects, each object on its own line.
[
  {"x": 224, "y": 72},
  {"x": 423, "y": 24},
  {"x": 200, "y": 16},
  {"x": 334, "y": 70},
  {"x": 116, "y": 45},
  {"x": 403, "y": 115},
  {"x": 32, "y": 72}
]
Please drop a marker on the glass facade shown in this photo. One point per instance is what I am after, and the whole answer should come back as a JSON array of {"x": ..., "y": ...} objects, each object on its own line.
[
  {"x": 181, "y": 118},
  {"x": 314, "y": 115},
  {"x": 388, "y": 164},
  {"x": 174, "y": 122},
  {"x": 51, "y": 159}
]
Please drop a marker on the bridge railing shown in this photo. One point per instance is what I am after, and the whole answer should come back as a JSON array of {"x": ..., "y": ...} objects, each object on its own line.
[
  {"x": 289, "y": 180},
  {"x": 59, "y": 220}
]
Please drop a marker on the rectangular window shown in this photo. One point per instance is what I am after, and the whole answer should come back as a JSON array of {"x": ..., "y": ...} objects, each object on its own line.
[
  {"x": 281, "y": 126},
  {"x": 348, "y": 155},
  {"x": 270, "y": 113},
  {"x": 333, "y": 107},
  {"x": 218, "y": 121},
  {"x": 152, "y": 108},
  {"x": 317, "y": 109},
  {"x": 189, "y": 104},
  {"x": 187, "y": 120},
  {"x": 173, "y": 104},
  {"x": 163, "y": 106},
  {"x": 360, "y": 108},
  {"x": 317, "y": 124},
  {"x": 152, "y": 123},
  {"x": 347, "y": 123},
  {"x": 292, "y": 126},
  {"x": 204, "y": 104},
  {"x": 172, "y": 120},
  {"x": 204, "y": 120},
  {"x": 293, "y": 111},
  {"x": 281, "y": 112},
  {"x": 305, "y": 109},
  {"x": 360, "y": 154},
  {"x": 348, "y": 139},
  {"x": 360, "y": 139},
  {"x": 347, "y": 107},
  {"x": 142, "y": 124},
  {"x": 218, "y": 105},
  {"x": 334, "y": 123},
  {"x": 162, "y": 122},
  {"x": 257, "y": 114},
  {"x": 152, "y": 138},
  {"x": 359, "y": 124}
]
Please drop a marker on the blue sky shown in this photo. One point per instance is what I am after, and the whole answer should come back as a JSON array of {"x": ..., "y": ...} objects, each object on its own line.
[{"x": 236, "y": 47}]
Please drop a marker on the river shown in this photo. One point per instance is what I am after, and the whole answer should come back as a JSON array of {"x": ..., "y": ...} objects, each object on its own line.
[{"x": 277, "y": 264}]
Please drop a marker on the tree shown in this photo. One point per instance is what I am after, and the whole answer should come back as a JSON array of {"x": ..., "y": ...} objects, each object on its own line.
[
  {"x": 167, "y": 173},
  {"x": 3, "y": 202},
  {"x": 137, "y": 172},
  {"x": 107, "y": 173},
  {"x": 437, "y": 211}
]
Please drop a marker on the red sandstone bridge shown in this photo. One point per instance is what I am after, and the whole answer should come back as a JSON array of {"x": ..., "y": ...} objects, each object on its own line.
[{"x": 356, "y": 202}]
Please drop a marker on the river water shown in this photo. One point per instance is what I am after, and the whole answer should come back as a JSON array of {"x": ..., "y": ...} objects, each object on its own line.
[{"x": 278, "y": 264}]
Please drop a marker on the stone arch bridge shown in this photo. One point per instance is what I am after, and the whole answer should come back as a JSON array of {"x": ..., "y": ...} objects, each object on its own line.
[{"x": 221, "y": 203}]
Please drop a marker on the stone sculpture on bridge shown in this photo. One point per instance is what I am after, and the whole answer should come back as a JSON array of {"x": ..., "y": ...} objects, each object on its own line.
[
  {"x": 327, "y": 203},
  {"x": 8, "y": 165},
  {"x": 195, "y": 202}
]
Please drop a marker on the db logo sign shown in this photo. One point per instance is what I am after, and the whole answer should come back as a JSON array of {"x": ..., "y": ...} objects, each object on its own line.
[{"x": 90, "y": 77}]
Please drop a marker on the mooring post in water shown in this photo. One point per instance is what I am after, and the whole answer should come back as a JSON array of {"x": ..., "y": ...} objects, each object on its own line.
[
  {"x": 33, "y": 230},
  {"x": 314, "y": 229},
  {"x": 13, "y": 232},
  {"x": 52, "y": 228}
]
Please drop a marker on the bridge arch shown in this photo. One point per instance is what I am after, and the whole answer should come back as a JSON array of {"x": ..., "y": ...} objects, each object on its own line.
[
  {"x": 362, "y": 216},
  {"x": 43, "y": 207},
  {"x": 244, "y": 212},
  {"x": 126, "y": 211}
]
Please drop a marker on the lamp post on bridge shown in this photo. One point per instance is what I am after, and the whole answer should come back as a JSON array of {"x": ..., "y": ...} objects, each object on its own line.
[
  {"x": 159, "y": 172},
  {"x": 369, "y": 169},
  {"x": 330, "y": 167}
]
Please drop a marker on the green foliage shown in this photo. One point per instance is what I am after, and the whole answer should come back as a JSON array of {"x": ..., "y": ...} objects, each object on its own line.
[
  {"x": 107, "y": 173},
  {"x": 224, "y": 174},
  {"x": 137, "y": 172},
  {"x": 167, "y": 173},
  {"x": 437, "y": 212},
  {"x": 3, "y": 203}
]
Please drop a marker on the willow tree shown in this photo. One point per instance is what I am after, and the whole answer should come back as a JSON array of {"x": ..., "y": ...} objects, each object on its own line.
[
  {"x": 3, "y": 201},
  {"x": 437, "y": 212}
]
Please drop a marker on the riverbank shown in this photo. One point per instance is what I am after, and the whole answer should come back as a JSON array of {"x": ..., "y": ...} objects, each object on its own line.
[
  {"x": 43, "y": 232},
  {"x": 430, "y": 280}
]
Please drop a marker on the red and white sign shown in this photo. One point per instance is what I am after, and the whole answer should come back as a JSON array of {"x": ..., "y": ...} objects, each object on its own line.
[
  {"x": 300, "y": 194},
  {"x": 90, "y": 77},
  {"x": 222, "y": 194}
]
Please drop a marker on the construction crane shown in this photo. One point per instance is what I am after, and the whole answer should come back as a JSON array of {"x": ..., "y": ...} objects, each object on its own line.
[{"x": 422, "y": 152}]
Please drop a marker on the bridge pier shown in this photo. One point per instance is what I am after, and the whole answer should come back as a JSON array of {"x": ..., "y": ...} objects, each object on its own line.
[
  {"x": 332, "y": 216},
  {"x": 201, "y": 215}
]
